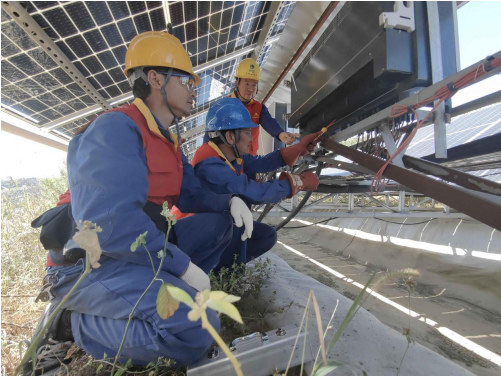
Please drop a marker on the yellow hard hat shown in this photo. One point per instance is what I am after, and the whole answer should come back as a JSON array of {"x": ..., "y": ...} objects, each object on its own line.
[
  {"x": 158, "y": 49},
  {"x": 248, "y": 68}
]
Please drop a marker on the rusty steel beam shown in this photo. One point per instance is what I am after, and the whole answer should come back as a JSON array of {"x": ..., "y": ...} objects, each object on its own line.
[
  {"x": 454, "y": 176},
  {"x": 481, "y": 209}
]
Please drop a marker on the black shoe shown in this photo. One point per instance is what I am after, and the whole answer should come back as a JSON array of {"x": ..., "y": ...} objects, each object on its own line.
[{"x": 55, "y": 344}]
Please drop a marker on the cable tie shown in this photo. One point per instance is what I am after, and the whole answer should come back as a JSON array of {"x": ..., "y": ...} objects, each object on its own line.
[
  {"x": 453, "y": 89},
  {"x": 487, "y": 65}
]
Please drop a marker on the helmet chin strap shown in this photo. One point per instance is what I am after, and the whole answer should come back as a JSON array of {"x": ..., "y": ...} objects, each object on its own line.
[
  {"x": 164, "y": 96},
  {"x": 234, "y": 147}
]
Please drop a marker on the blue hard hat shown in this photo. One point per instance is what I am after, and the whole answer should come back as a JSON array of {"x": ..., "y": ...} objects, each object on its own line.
[{"x": 227, "y": 114}]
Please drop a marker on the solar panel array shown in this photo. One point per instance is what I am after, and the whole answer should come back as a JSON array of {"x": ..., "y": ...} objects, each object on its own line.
[{"x": 94, "y": 35}]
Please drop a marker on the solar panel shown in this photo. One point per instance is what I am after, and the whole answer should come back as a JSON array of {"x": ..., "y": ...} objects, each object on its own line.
[{"x": 94, "y": 35}]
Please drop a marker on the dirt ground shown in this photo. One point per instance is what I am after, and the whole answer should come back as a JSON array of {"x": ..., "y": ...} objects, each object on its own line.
[{"x": 456, "y": 296}]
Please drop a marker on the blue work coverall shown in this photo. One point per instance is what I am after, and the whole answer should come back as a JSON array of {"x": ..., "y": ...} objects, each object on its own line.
[
  {"x": 107, "y": 174},
  {"x": 216, "y": 175}
]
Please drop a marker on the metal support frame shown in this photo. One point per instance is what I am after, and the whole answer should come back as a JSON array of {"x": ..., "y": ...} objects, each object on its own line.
[
  {"x": 316, "y": 202},
  {"x": 437, "y": 75},
  {"x": 391, "y": 146},
  {"x": 337, "y": 214},
  {"x": 370, "y": 122},
  {"x": 454, "y": 176},
  {"x": 486, "y": 211},
  {"x": 15, "y": 10},
  {"x": 377, "y": 202},
  {"x": 265, "y": 31}
]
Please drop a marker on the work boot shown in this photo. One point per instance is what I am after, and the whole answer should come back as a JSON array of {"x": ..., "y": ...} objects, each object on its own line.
[{"x": 54, "y": 345}]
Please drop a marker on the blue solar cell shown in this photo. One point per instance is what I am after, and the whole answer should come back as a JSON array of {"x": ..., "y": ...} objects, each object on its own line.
[
  {"x": 119, "y": 53},
  {"x": 104, "y": 79},
  {"x": 23, "y": 109},
  {"x": 78, "y": 46},
  {"x": 76, "y": 90},
  {"x": 8, "y": 48},
  {"x": 95, "y": 40},
  {"x": 191, "y": 31},
  {"x": 80, "y": 16},
  {"x": 153, "y": 4},
  {"x": 158, "y": 20},
  {"x": 60, "y": 22},
  {"x": 47, "y": 81},
  {"x": 104, "y": 94},
  {"x": 41, "y": 120},
  {"x": 35, "y": 105},
  {"x": 234, "y": 32},
  {"x": 112, "y": 35},
  {"x": 226, "y": 18},
  {"x": 127, "y": 29},
  {"x": 94, "y": 83},
  {"x": 238, "y": 14},
  {"x": 51, "y": 114},
  {"x": 216, "y": 6},
  {"x": 203, "y": 8},
  {"x": 44, "y": 4},
  {"x": 5, "y": 16},
  {"x": 124, "y": 87},
  {"x": 87, "y": 100},
  {"x": 40, "y": 20},
  {"x": 107, "y": 59},
  {"x": 142, "y": 23},
  {"x": 66, "y": 50},
  {"x": 190, "y": 10},
  {"x": 76, "y": 104},
  {"x": 100, "y": 12},
  {"x": 176, "y": 13},
  {"x": 117, "y": 74},
  {"x": 228, "y": 4},
  {"x": 14, "y": 93},
  {"x": 18, "y": 35},
  {"x": 119, "y": 9},
  {"x": 82, "y": 69},
  {"x": 203, "y": 26},
  {"x": 192, "y": 48},
  {"x": 213, "y": 37},
  {"x": 113, "y": 91},
  {"x": 41, "y": 58},
  {"x": 31, "y": 87},
  {"x": 178, "y": 32},
  {"x": 137, "y": 6},
  {"x": 93, "y": 64},
  {"x": 49, "y": 99},
  {"x": 63, "y": 109},
  {"x": 63, "y": 94}
]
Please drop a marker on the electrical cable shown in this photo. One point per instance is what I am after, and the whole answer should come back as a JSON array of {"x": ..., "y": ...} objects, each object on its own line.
[
  {"x": 312, "y": 224},
  {"x": 379, "y": 219},
  {"x": 442, "y": 94}
]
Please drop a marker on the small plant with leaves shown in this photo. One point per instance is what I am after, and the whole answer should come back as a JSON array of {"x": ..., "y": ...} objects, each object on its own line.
[{"x": 86, "y": 238}]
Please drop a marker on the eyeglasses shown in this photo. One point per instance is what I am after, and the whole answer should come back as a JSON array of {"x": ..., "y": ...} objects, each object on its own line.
[{"x": 187, "y": 81}]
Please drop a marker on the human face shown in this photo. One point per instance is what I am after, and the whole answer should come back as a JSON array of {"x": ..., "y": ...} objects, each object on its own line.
[
  {"x": 245, "y": 141},
  {"x": 247, "y": 88},
  {"x": 181, "y": 93}
]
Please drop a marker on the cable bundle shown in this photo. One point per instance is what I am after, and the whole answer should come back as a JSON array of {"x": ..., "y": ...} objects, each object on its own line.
[{"x": 442, "y": 94}]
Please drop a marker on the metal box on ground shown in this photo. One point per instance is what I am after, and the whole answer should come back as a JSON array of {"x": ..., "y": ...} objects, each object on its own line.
[{"x": 259, "y": 354}]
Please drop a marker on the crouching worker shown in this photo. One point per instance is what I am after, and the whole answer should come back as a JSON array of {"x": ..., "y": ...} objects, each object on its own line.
[
  {"x": 122, "y": 167},
  {"x": 222, "y": 166}
]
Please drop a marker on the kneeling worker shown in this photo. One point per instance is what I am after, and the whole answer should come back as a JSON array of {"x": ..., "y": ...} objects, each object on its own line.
[{"x": 220, "y": 164}]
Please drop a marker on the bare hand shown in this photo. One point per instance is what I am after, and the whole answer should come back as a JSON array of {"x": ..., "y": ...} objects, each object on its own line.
[{"x": 288, "y": 138}]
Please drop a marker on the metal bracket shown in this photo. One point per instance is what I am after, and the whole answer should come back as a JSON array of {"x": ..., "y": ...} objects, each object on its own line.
[
  {"x": 39, "y": 36},
  {"x": 402, "y": 17}
]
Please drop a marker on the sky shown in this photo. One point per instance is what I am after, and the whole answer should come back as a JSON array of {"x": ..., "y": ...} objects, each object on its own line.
[{"x": 479, "y": 36}]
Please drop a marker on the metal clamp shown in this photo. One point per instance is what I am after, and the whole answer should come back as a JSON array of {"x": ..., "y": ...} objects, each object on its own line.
[{"x": 280, "y": 332}]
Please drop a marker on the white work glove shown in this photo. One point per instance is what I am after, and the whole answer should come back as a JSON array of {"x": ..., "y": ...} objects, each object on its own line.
[
  {"x": 196, "y": 277},
  {"x": 242, "y": 215}
]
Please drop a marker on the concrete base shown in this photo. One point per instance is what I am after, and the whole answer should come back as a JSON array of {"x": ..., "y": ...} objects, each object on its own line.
[{"x": 366, "y": 344}]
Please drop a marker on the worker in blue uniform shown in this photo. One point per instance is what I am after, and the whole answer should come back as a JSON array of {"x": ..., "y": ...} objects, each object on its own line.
[
  {"x": 223, "y": 163},
  {"x": 121, "y": 168}
]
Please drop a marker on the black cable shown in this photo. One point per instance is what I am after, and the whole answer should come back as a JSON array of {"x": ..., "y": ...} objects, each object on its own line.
[
  {"x": 405, "y": 224},
  {"x": 312, "y": 224}
]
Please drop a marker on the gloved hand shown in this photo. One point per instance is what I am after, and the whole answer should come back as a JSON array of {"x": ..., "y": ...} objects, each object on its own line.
[
  {"x": 306, "y": 145},
  {"x": 307, "y": 181},
  {"x": 196, "y": 277},
  {"x": 242, "y": 215}
]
